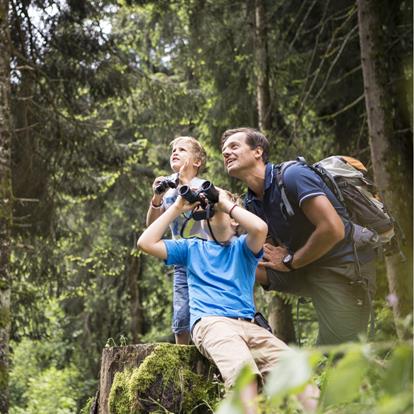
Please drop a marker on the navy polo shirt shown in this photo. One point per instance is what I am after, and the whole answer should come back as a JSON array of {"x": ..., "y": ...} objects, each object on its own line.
[{"x": 301, "y": 183}]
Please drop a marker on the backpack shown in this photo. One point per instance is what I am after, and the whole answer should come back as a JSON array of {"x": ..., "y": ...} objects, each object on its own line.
[{"x": 346, "y": 178}]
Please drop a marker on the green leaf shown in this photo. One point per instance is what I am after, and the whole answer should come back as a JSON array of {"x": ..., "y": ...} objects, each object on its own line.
[
  {"x": 292, "y": 371},
  {"x": 399, "y": 372},
  {"x": 344, "y": 380},
  {"x": 229, "y": 406}
]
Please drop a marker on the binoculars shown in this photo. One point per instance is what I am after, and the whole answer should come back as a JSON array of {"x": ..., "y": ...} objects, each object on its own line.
[
  {"x": 207, "y": 195},
  {"x": 207, "y": 188},
  {"x": 168, "y": 182}
]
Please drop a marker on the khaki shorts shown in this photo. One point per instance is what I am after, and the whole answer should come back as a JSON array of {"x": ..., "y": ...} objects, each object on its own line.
[{"x": 231, "y": 344}]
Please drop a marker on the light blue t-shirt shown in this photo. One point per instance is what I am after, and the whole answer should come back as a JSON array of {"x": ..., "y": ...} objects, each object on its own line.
[
  {"x": 220, "y": 278},
  {"x": 192, "y": 228}
]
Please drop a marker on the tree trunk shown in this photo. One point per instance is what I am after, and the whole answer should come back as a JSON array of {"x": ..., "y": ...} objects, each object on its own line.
[
  {"x": 5, "y": 205},
  {"x": 380, "y": 126},
  {"x": 136, "y": 310},
  {"x": 142, "y": 378},
  {"x": 280, "y": 312},
  {"x": 262, "y": 68},
  {"x": 281, "y": 320}
]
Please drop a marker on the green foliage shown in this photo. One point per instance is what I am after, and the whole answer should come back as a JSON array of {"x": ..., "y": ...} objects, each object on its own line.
[
  {"x": 99, "y": 89},
  {"x": 356, "y": 378},
  {"x": 342, "y": 384}
]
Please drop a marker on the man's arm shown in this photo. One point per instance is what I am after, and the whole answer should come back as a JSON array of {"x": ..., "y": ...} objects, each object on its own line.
[
  {"x": 256, "y": 228},
  {"x": 329, "y": 230}
]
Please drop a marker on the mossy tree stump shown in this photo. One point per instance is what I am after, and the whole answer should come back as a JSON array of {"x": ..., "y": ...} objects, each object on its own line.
[{"x": 149, "y": 378}]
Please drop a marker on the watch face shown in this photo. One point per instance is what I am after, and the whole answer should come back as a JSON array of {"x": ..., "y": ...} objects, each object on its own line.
[{"x": 287, "y": 259}]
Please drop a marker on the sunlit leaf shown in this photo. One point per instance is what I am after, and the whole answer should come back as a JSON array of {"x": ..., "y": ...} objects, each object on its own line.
[
  {"x": 292, "y": 371},
  {"x": 344, "y": 380},
  {"x": 400, "y": 370}
]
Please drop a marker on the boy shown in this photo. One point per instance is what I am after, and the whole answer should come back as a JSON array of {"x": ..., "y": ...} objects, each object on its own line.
[
  {"x": 220, "y": 279},
  {"x": 184, "y": 149}
]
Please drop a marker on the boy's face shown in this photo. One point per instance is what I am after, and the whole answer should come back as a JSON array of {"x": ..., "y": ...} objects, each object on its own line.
[{"x": 181, "y": 152}]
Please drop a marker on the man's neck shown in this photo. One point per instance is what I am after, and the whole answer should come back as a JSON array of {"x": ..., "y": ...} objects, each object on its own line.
[{"x": 255, "y": 178}]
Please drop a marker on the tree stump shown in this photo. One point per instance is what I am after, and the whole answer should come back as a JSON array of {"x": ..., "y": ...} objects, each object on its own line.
[{"x": 149, "y": 378}]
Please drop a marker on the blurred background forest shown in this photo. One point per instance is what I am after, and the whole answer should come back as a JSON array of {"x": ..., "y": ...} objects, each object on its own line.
[{"x": 97, "y": 90}]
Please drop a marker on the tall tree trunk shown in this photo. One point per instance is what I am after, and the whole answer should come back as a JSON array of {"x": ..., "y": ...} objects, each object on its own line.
[
  {"x": 5, "y": 204},
  {"x": 380, "y": 126},
  {"x": 136, "y": 309},
  {"x": 280, "y": 312},
  {"x": 262, "y": 68}
]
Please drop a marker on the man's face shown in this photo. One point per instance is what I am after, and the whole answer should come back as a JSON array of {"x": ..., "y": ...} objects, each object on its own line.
[
  {"x": 238, "y": 155},
  {"x": 181, "y": 152}
]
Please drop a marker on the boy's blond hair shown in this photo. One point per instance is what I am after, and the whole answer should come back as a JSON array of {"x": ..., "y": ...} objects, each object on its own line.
[{"x": 196, "y": 148}]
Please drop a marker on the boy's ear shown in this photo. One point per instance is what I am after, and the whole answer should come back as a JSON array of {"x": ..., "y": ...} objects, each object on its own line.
[
  {"x": 234, "y": 225},
  {"x": 197, "y": 163}
]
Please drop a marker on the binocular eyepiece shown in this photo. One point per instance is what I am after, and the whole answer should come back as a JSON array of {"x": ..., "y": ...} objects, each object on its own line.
[
  {"x": 165, "y": 184},
  {"x": 207, "y": 189}
]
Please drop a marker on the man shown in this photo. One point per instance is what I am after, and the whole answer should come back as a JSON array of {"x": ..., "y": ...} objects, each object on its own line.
[{"x": 314, "y": 255}]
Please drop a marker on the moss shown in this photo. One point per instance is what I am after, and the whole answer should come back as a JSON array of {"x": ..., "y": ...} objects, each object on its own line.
[
  {"x": 4, "y": 317},
  {"x": 88, "y": 406},
  {"x": 119, "y": 401},
  {"x": 167, "y": 380}
]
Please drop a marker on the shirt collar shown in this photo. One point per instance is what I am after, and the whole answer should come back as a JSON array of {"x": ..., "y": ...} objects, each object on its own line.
[{"x": 268, "y": 179}]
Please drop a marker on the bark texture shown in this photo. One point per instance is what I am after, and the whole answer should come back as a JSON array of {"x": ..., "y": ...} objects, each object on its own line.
[
  {"x": 264, "y": 109},
  {"x": 5, "y": 204},
  {"x": 136, "y": 311},
  {"x": 280, "y": 312},
  {"x": 380, "y": 126}
]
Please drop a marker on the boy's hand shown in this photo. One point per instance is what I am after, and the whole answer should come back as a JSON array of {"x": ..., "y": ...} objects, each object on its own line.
[
  {"x": 157, "y": 198},
  {"x": 224, "y": 204},
  {"x": 183, "y": 205},
  {"x": 155, "y": 184}
]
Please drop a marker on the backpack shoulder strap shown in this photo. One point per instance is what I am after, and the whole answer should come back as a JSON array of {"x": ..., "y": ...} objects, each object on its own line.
[{"x": 279, "y": 172}]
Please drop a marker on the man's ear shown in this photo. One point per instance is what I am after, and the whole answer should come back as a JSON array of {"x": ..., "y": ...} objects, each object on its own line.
[{"x": 258, "y": 152}]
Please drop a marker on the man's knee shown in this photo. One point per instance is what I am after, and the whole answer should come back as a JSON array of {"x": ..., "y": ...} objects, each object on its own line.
[{"x": 294, "y": 282}]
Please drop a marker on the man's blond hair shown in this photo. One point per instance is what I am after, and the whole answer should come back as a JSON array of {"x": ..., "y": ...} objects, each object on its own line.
[{"x": 196, "y": 148}]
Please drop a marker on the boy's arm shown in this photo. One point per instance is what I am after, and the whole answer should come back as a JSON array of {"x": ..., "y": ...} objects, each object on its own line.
[
  {"x": 151, "y": 240},
  {"x": 256, "y": 228},
  {"x": 155, "y": 208}
]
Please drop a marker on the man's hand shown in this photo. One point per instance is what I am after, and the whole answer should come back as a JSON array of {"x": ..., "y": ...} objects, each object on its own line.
[{"x": 273, "y": 257}]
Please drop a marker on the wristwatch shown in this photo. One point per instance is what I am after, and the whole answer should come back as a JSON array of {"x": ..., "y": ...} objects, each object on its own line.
[{"x": 287, "y": 261}]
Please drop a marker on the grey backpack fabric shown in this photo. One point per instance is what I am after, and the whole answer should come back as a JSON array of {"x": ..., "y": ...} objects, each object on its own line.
[{"x": 346, "y": 178}]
